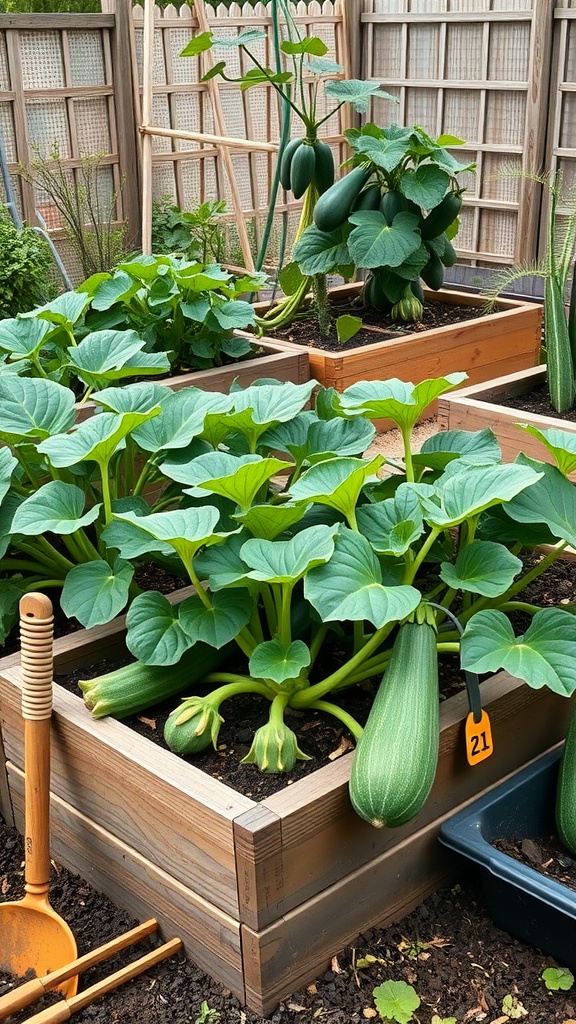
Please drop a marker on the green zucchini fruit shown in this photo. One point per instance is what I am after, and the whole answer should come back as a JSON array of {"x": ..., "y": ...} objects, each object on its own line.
[
  {"x": 449, "y": 256},
  {"x": 441, "y": 217},
  {"x": 302, "y": 169},
  {"x": 333, "y": 208},
  {"x": 566, "y": 790},
  {"x": 373, "y": 295},
  {"x": 395, "y": 760},
  {"x": 286, "y": 161},
  {"x": 433, "y": 272},
  {"x": 133, "y": 688},
  {"x": 392, "y": 204},
  {"x": 369, "y": 199},
  {"x": 409, "y": 308},
  {"x": 324, "y": 168},
  {"x": 417, "y": 291},
  {"x": 392, "y": 285}
]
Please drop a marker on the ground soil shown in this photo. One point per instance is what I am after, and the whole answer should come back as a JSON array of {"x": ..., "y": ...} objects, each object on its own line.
[
  {"x": 303, "y": 330},
  {"x": 536, "y": 401},
  {"x": 545, "y": 855},
  {"x": 460, "y": 965}
]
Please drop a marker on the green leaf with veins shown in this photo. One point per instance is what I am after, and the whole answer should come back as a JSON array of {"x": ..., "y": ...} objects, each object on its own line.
[
  {"x": 7, "y": 466},
  {"x": 56, "y": 507},
  {"x": 261, "y": 406},
  {"x": 35, "y": 408},
  {"x": 245, "y": 37},
  {"x": 140, "y": 397},
  {"x": 560, "y": 443},
  {"x": 180, "y": 420},
  {"x": 392, "y": 526},
  {"x": 375, "y": 243},
  {"x": 320, "y": 252},
  {"x": 279, "y": 662},
  {"x": 228, "y": 613},
  {"x": 154, "y": 633},
  {"x": 336, "y": 483},
  {"x": 10, "y": 594},
  {"x": 350, "y": 586},
  {"x": 66, "y": 309},
  {"x": 202, "y": 468},
  {"x": 94, "y": 592},
  {"x": 395, "y": 399},
  {"x": 473, "y": 446},
  {"x": 24, "y": 338},
  {"x": 184, "y": 529},
  {"x": 482, "y": 567},
  {"x": 396, "y": 1000},
  {"x": 324, "y": 67},
  {"x": 287, "y": 561},
  {"x": 550, "y": 501},
  {"x": 385, "y": 153},
  {"x": 425, "y": 185},
  {"x": 131, "y": 541},
  {"x": 243, "y": 485},
  {"x": 470, "y": 490},
  {"x": 357, "y": 93},
  {"x": 95, "y": 439},
  {"x": 269, "y": 521},
  {"x": 307, "y": 438},
  {"x": 107, "y": 355},
  {"x": 223, "y": 565},
  {"x": 542, "y": 656},
  {"x": 310, "y": 44},
  {"x": 197, "y": 45}
]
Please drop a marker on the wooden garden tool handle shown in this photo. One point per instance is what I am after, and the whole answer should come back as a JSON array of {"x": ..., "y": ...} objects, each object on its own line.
[
  {"x": 62, "y": 1011},
  {"x": 36, "y": 636},
  {"x": 33, "y": 990}
]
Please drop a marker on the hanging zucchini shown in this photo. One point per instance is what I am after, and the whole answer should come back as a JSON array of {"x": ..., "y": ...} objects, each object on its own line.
[{"x": 397, "y": 754}]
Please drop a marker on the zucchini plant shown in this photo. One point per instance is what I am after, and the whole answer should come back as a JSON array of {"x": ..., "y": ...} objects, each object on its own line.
[
  {"x": 394, "y": 215},
  {"x": 305, "y": 164},
  {"x": 288, "y": 535}
]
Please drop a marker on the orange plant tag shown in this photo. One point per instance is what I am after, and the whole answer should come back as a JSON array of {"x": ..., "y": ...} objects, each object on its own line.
[{"x": 479, "y": 743}]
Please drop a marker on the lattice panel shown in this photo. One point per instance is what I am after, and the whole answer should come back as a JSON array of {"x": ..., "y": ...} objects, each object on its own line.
[
  {"x": 561, "y": 151},
  {"x": 463, "y": 67},
  {"x": 181, "y": 101},
  {"x": 57, "y": 96}
]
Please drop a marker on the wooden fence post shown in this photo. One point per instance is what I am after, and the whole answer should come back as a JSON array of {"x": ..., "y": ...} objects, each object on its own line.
[{"x": 127, "y": 128}]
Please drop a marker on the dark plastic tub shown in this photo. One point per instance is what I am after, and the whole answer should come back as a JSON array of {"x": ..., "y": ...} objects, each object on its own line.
[{"x": 523, "y": 902}]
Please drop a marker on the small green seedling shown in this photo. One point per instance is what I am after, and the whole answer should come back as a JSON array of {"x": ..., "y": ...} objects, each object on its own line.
[
  {"x": 207, "y": 1015},
  {"x": 557, "y": 978},
  {"x": 442, "y": 1020},
  {"x": 396, "y": 1001},
  {"x": 513, "y": 1008}
]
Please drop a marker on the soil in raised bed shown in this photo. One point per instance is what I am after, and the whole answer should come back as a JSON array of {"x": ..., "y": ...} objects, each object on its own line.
[
  {"x": 544, "y": 854},
  {"x": 460, "y": 965},
  {"x": 304, "y": 328},
  {"x": 320, "y": 736},
  {"x": 535, "y": 401}
]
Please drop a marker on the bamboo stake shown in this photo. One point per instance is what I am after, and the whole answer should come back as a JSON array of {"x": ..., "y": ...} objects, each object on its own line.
[
  {"x": 147, "y": 90},
  {"x": 216, "y": 140}
]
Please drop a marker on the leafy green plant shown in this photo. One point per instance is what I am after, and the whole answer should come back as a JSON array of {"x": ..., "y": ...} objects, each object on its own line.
[
  {"x": 185, "y": 308},
  {"x": 396, "y": 1001},
  {"x": 288, "y": 534},
  {"x": 50, "y": 342},
  {"x": 196, "y": 234},
  {"x": 513, "y": 1008},
  {"x": 556, "y": 269},
  {"x": 87, "y": 208},
  {"x": 207, "y": 1014},
  {"x": 557, "y": 979},
  {"x": 305, "y": 164},
  {"x": 25, "y": 264},
  {"x": 394, "y": 215}
]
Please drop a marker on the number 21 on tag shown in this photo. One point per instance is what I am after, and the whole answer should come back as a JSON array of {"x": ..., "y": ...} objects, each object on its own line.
[{"x": 479, "y": 743}]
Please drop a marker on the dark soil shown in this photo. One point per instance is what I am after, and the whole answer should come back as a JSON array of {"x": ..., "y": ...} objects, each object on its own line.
[
  {"x": 304, "y": 328},
  {"x": 536, "y": 401},
  {"x": 545, "y": 855},
  {"x": 461, "y": 966}
]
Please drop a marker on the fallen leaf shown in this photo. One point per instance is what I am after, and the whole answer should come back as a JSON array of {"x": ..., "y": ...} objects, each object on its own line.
[
  {"x": 5, "y": 886},
  {"x": 312, "y": 989},
  {"x": 473, "y": 1013},
  {"x": 150, "y": 722},
  {"x": 500, "y": 1020},
  {"x": 335, "y": 966},
  {"x": 368, "y": 1011},
  {"x": 532, "y": 851},
  {"x": 296, "y": 1007},
  {"x": 343, "y": 747}
]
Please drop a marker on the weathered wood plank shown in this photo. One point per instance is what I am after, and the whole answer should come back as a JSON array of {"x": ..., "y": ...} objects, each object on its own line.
[
  {"x": 258, "y": 845},
  {"x": 477, "y": 407},
  {"x": 211, "y": 938},
  {"x": 190, "y": 832},
  {"x": 294, "y": 950},
  {"x": 316, "y": 815},
  {"x": 6, "y": 809}
]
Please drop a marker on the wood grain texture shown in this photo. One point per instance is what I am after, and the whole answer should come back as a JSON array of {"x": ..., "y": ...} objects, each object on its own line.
[
  {"x": 477, "y": 407},
  {"x": 116, "y": 777},
  {"x": 211, "y": 937},
  {"x": 502, "y": 342}
]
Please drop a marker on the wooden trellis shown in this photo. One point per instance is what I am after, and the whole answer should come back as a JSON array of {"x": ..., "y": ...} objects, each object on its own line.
[
  {"x": 480, "y": 73},
  {"x": 210, "y": 139}
]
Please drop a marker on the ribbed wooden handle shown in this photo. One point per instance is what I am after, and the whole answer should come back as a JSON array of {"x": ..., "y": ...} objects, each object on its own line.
[
  {"x": 36, "y": 636},
  {"x": 36, "y": 643}
]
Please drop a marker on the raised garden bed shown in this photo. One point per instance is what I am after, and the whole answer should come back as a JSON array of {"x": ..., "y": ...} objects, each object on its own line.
[
  {"x": 500, "y": 342},
  {"x": 262, "y": 893},
  {"x": 479, "y": 405}
]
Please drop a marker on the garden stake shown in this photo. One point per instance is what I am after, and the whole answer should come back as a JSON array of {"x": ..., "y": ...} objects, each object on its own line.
[
  {"x": 33, "y": 990},
  {"x": 32, "y": 935},
  {"x": 63, "y": 1010}
]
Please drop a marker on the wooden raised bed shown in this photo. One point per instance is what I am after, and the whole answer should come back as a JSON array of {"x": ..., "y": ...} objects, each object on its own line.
[
  {"x": 477, "y": 407},
  {"x": 501, "y": 342},
  {"x": 263, "y": 894}
]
